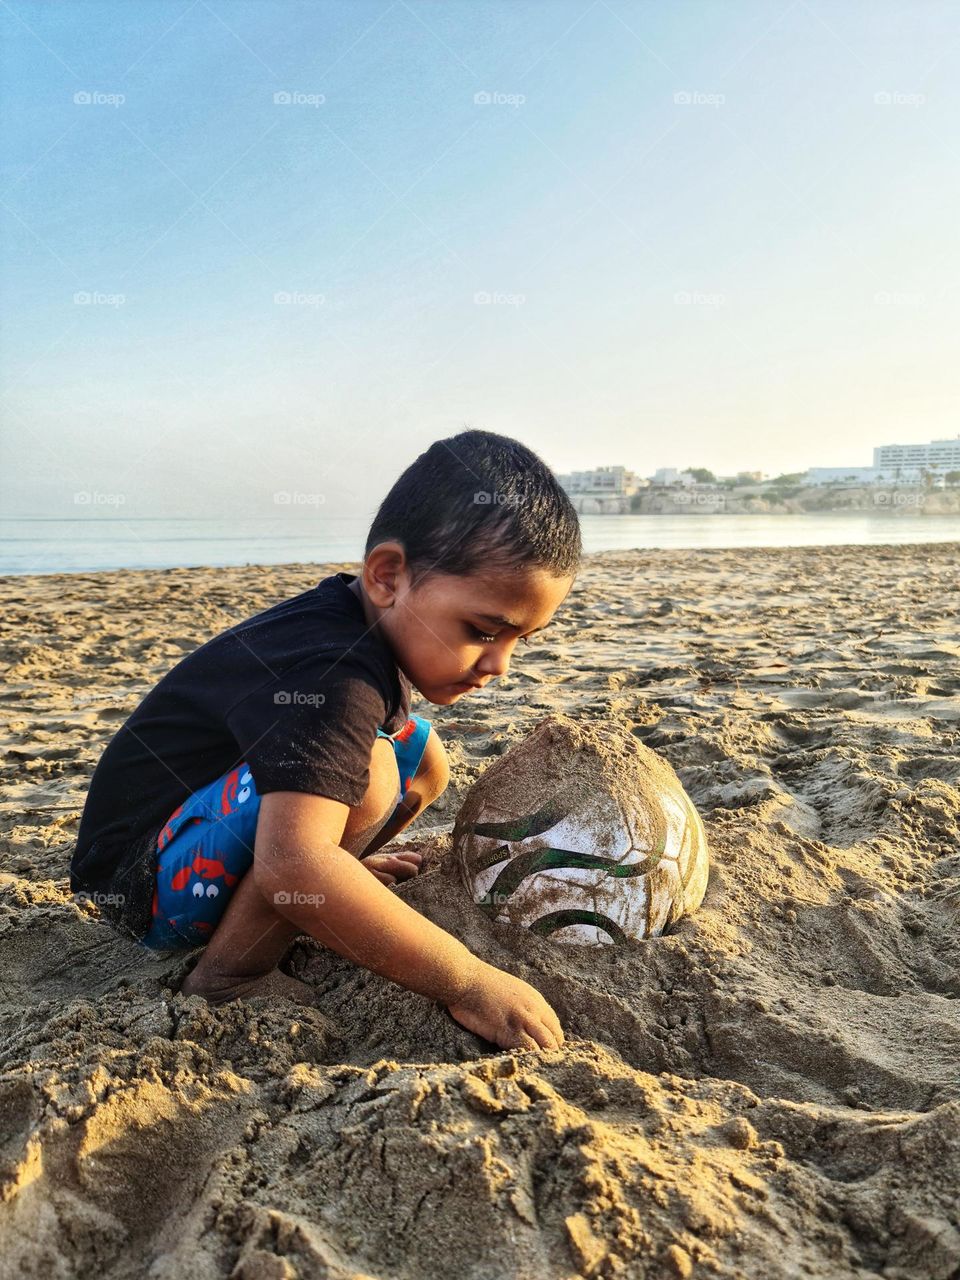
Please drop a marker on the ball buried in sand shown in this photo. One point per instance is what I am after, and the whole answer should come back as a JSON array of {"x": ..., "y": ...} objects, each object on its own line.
[{"x": 582, "y": 834}]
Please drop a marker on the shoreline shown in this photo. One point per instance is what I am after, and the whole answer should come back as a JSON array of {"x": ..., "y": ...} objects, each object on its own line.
[{"x": 352, "y": 565}]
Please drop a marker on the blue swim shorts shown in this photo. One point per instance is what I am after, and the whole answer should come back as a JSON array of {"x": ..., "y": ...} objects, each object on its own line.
[{"x": 206, "y": 847}]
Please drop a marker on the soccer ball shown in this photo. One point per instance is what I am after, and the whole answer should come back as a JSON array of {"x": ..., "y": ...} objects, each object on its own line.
[{"x": 583, "y": 835}]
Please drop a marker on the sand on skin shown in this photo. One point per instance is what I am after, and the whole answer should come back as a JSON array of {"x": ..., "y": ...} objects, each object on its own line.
[{"x": 773, "y": 1090}]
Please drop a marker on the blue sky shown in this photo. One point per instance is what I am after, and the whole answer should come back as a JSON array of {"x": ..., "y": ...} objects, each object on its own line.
[{"x": 687, "y": 234}]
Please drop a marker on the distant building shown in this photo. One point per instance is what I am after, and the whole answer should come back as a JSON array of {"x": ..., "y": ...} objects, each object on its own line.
[
  {"x": 670, "y": 475},
  {"x": 612, "y": 481},
  {"x": 852, "y": 475},
  {"x": 864, "y": 475},
  {"x": 744, "y": 478},
  {"x": 936, "y": 455},
  {"x": 603, "y": 491}
]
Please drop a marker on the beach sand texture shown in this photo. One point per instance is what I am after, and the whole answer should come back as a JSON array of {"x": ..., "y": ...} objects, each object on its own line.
[{"x": 773, "y": 1090}]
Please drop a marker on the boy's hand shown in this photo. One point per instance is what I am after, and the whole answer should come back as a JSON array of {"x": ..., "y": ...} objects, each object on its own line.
[
  {"x": 392, "y": 867},
  {"x": 507, "y": 1011}
]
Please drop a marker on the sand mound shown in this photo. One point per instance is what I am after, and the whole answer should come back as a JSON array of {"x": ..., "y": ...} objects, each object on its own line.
[{"x": 770, "y": 1090}]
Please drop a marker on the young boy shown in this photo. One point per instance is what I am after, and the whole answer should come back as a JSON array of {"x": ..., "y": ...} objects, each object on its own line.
[{"x": 244, "y": 800}]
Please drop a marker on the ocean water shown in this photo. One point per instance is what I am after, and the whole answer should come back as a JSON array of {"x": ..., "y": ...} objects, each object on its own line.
[{"x": 41, "y": 545}]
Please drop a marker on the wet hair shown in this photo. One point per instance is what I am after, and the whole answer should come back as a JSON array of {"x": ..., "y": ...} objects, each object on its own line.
[{"x": 478, "y": 502}]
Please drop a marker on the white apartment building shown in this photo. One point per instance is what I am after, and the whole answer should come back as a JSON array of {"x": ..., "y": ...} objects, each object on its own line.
[
  {"x": 603, "y": 491},
  {"x": 609, "y": 482},
  {"x": 936, "y": 455}
]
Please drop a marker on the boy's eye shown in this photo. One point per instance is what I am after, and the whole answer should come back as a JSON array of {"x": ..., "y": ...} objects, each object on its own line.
[{"x": 489, "y": 639}]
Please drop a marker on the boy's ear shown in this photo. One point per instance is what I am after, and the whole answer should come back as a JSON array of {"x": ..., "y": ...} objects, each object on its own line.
[{"x": 382, "y": 571}]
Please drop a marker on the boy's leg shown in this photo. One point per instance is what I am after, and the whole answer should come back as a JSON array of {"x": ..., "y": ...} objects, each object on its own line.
[
  {"x": 429, "y": 782},
  {"x": 241, "y": 957}
]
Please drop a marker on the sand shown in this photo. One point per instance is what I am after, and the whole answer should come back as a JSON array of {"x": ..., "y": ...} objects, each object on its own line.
[{"x": 770, "y": 1091}]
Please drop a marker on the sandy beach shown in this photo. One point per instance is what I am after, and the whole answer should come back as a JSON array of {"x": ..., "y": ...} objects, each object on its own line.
[{"x": 773, "y": 1090}]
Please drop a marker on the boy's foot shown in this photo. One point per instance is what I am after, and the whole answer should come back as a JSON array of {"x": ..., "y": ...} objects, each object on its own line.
[
  {"x": 393, "y": 868},
  {"x": 273, "y": 983}
]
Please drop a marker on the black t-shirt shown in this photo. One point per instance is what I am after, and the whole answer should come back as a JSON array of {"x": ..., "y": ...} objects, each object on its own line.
[{"x": 298, "y": 692}]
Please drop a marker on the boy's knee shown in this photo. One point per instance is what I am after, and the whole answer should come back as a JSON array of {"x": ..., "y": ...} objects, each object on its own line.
[
  {"x": 433, "y": 773},
  {"x": 379, "y": 799},
  {"x": 383, "y": 786},
  {"x": 430, "y": 781}
]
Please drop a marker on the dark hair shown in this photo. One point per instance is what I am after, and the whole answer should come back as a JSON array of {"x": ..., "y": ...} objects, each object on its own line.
[{"x": 477, "y": 502}]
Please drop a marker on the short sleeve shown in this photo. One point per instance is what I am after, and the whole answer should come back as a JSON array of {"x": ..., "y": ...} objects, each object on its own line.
[{"x": 312, "y": 731}]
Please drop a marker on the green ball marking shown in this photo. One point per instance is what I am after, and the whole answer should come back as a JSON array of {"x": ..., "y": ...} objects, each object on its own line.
[
  {"x": 560, "y": 919},
  {"x": 534, "y": 824},
  {"x": 531, "y": 861}
]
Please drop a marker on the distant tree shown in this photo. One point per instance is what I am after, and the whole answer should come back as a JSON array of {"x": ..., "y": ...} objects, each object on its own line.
[
  {"x": 702, "y": 475},
  {"x": 952, "y": 477},
  {"x": 789, "y": 478}
]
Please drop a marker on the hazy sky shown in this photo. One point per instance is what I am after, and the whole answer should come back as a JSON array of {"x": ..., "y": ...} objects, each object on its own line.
[{"x": 718, "y": 234}]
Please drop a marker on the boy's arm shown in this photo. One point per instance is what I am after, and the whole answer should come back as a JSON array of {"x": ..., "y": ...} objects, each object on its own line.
[{"x": 300, "y": 868}]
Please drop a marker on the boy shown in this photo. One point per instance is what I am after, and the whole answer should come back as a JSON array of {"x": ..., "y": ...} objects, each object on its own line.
[{"x": 244, "y": 800}]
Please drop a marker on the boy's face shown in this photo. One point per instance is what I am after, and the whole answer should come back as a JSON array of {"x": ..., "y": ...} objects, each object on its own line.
[{"x": 452, "y": 634}]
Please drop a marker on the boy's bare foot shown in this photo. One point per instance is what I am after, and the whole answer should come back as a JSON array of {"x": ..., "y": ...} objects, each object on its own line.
[
  {"x": 389, "y": 868},
  {"x": 273, "y": 983}
]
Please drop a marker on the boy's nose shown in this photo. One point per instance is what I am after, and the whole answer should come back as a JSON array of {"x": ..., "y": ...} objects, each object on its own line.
[{"x": 495, "y": 662}]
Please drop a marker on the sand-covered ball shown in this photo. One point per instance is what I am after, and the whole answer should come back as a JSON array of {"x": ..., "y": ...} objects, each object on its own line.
[{"x": 582, "y": 834}]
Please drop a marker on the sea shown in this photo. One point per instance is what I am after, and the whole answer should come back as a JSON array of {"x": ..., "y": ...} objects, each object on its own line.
[{"x": 55, "y": 545}]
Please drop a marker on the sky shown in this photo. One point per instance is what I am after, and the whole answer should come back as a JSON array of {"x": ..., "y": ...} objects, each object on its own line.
[{"x": 257, "y": 247}]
